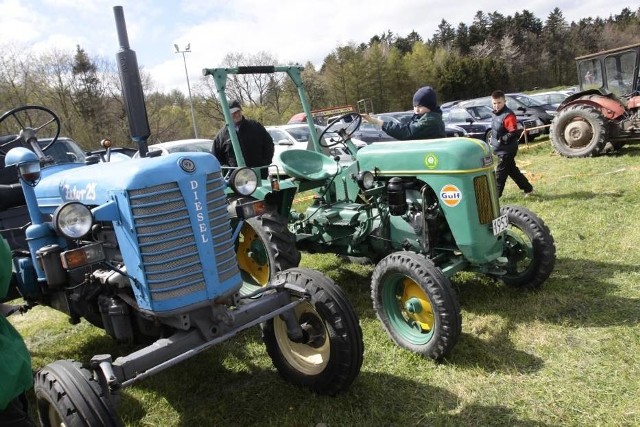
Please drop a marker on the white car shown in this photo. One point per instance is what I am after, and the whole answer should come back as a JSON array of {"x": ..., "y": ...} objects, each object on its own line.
[
  {"x": 297, "y": 136},
  {"x": 181, "y": 146}
]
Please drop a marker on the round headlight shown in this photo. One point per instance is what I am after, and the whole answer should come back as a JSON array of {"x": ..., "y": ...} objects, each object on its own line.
[
  {"x": 365, "y": 180},
  {"x": 73, "y": 220},
  {"x": 244, "y": 181}
]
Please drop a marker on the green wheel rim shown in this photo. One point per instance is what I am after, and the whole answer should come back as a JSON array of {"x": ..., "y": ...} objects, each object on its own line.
[
  {"x": 408, "y": 309},
  {"x": 519, "y": 251}
]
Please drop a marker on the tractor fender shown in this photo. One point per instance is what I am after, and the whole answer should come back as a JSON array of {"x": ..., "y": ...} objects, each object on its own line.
[
  {"x": 634, "y": 102},
  {"x": 611, "y": 109}
]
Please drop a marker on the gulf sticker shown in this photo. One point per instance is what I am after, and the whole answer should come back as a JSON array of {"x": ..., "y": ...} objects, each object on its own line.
[{"x": 450, "y": 195}]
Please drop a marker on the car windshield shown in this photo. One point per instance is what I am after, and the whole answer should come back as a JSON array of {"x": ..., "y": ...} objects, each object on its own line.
[
  {"x": 480, "y": 112},
  {"x": 527, "y": 101},
  {"x": 367, "y": 127},
  {"x": 204, "y": 147},
  {"x": 279, "y": 136},
  {"x": 300, "y": 134},
  {"x": 550, "y": 98}
]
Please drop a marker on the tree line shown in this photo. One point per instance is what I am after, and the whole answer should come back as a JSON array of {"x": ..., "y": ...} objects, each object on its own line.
[{"x": 512, "y": 53}]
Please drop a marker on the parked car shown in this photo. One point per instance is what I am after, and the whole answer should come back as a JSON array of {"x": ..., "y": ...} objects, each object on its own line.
[
  {"x": 297, "y": 136},
  {"x": 530, "y": 102},
  {"x": 370, "y": 133},
  {"x": 403, "y": 117},
  {"x": 553, "y": 98},
  {"x": 366, "y": 131},
  {"x": 180, "y": 146},
  {"x": 516, "y": 104},
  {"x": 476, "y": 121},
  {"x": 395, "y": 116},
  {"x": 449, "y": 104}
]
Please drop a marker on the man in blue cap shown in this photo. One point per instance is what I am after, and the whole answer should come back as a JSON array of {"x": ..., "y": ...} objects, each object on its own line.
[{"x": 426, "y": 122}]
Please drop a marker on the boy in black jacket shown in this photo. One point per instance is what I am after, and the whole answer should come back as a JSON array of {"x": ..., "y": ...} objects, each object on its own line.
[{"x": 504, "y": 141}]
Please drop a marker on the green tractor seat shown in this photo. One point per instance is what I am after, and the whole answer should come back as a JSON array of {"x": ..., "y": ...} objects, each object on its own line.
[{"x": 310, "y": 165}]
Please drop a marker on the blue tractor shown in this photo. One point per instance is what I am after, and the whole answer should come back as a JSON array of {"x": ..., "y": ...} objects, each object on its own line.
[{"x": 145, "y": 248}]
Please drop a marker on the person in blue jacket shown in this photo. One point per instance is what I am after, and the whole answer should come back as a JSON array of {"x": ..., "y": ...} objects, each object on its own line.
[
  {"x": 15, "y": 362},
  {"x": 426, "y": 122}
]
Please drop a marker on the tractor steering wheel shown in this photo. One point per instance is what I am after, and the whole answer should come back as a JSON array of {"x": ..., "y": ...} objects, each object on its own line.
[
  {"x": 28, "y": 132},
  {"x": 344, "y": 126}
]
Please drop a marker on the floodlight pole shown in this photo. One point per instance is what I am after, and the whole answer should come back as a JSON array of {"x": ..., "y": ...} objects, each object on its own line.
[{"x": 193, "y": 116}]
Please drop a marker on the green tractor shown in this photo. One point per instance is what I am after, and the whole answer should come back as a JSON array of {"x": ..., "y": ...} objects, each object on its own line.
[{"x": 421, "y": 210}]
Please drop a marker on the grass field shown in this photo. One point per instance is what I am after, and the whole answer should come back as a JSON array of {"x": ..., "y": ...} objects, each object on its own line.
[{"x": 565, "y": 355}]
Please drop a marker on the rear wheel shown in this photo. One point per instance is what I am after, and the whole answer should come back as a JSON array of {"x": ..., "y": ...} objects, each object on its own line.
[
  {"x": 416, "y": 304},
  {"x": 330, "y": 357},
  {"x": 529, "y": 248},
  {"x": 68, "y": 395},
  {"x": 579, "y": 131},
  {"x": 265, "y": 246}
]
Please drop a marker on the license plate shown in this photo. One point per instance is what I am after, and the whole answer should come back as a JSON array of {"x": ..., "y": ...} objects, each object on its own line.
[
  {"x": 534, "y": 132},
  {"x": 500, "y": 224}
]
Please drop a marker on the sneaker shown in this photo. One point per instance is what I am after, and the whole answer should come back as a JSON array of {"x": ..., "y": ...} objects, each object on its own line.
[{"x": 528, "y": 193}]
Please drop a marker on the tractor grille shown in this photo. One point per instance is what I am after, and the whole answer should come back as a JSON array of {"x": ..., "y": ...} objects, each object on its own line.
[
  {"x": 483, "y": 199},
  {"x": 168, "y": 247}
]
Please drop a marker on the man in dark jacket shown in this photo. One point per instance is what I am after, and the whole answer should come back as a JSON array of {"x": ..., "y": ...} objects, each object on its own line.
[
  {"x": 504, "y": 141},
  {"x": 255, "y": 142},
  {"x": 426, "y": 122}
]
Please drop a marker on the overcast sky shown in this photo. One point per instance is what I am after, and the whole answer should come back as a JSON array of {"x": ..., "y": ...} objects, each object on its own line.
[{"x": 290, "y": 30}]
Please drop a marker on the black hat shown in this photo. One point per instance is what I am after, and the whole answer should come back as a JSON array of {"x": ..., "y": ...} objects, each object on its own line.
[
  {"x": 426, "y": 97},
  {"x": 235, "y": 106}
]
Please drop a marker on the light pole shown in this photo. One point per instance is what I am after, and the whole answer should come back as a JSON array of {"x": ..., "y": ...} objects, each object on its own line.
[{"x": 184, "y": 58}]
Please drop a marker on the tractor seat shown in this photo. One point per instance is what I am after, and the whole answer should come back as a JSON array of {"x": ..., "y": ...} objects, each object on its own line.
[{"x": 309, "y": 165}]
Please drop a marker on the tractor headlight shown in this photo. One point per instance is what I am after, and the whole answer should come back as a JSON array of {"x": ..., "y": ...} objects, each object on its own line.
[
  {"x": 73, "y": 220},
  {"x": 365, "y": 180},
  {"x": 244, "y": 181}
]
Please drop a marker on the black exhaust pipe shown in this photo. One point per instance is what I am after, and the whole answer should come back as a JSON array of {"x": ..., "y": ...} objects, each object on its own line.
[{"x": 131, "y": 86}]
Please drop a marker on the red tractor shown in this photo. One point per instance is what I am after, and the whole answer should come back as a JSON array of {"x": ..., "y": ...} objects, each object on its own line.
[{"x": 604, "y": 114}]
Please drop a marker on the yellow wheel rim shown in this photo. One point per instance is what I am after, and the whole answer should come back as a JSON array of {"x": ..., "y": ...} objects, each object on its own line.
[
  {"x": 416, "y": 305},
  {"x": 252, "y": 256}
]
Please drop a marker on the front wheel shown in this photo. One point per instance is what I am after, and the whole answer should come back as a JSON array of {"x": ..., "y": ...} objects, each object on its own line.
[
  {"x": 529, "y": 249},
  {"x": 265, "y": 246},
  {"x": 330, "y": 357},
  {"x": 578, "y": 131},
  {"x": 416, "y": 304},
  {"x": 69, "y": 395}
]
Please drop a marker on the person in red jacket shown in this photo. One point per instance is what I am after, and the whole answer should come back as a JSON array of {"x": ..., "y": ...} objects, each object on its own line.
[{"x": 504, "y": 141}]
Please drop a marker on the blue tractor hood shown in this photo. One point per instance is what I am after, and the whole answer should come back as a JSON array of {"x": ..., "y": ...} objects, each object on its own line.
[{"x": 96, "y": 184}]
